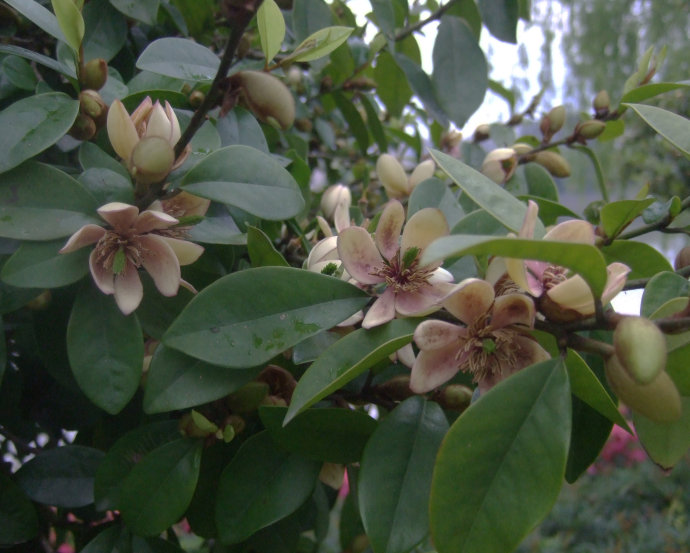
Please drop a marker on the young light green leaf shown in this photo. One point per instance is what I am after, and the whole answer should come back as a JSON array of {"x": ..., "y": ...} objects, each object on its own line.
[
  {"x": 615, "y": 216},
  {"x": 71, "y": 22},
  {"x": 319, "y": 44},
  {"x": 271, "y": 25},
  {"x": 647, "y": 91},
  {"x": 673, "y": 127}
]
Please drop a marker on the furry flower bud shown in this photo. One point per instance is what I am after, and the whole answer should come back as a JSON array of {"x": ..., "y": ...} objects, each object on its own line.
[
  {"x": 94, "y": 74},
  {"x": 554, "y": 163},
  {"x": 640, "y": 348},
  {"x": 267, "y": 97}
]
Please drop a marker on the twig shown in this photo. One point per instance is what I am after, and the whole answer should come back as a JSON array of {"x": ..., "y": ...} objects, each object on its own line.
[
  {"x": 642, "y": 282},
  {"x": 403, "y": 33}
]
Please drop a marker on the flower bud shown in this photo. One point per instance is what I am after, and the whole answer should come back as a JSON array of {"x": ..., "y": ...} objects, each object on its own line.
[
  {"x": 91, "y": 104},
  {"x": 195, "y": 425},
  {"x": 196, "y": 98},
  {"x": 482, "y": 132},
  {"x": 659, "y": 400},
  {"x": 397, "y": 388},
  {"x": 601, "y": 104},
  {"x": 640, "y": 348},
  {"x": 454, "y": 397},
  {"x": 521, "y": 148},
  {"x": 267, "y": 97},
  {"x": 590, "y": 129},
  {"x": 425, "y": 170},
  {"x": 83, "y": 128},
  {"x": 552, "y": 122},
  {"x": 682, "y": 259},
  {"x": 152, "y": 159},
  {"x": 333, "y": 196},
  {"x": 94, "y": 74},
  {"x": 500, "y": 164},
  {"x": 392, "y": 176},
  {"x": 554, "y": 163}
]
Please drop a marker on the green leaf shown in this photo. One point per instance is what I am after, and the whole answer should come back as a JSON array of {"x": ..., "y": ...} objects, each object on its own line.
[
  {"x": 589, "y": 433},
  {"x": 503, "y": 92},
  {"x": 549, "y": 211},
  {"x": 434, "y": 193},
  {"x": 347, "y": 359},
  {"x": 33, "y": 124},
  {"x": 374, "y": 123},
  {"x": 334, "y": 435},
  {"x": 539, "y": 182},
  {"x": 241, "y": 127},
  {"x": 647, "y": 91},
  {"x": 423, "y": 87},
  {"x": 18, "y": 520},
  {"x": 40, "y": 202},
  {"x": 92, "y": 157},
  {"x": 71, "y": 22},
  {"x": 319, "y": 44},
  {"x": 261, "y": 485},
  {"x": 124, "y": 455},
  {"x": 644, "y": 260},
  {"x": 176, "y": 381},
  {"x": 308, "y": 16},
  {"x": 39, "y": 265},
  {"x": 271, "y": 26},
  {"x": 673, "y": 127},
  {"x": 62, "y": 477},
  {"x": 105, "y": 348},
  {"x": 179, "y": 58},
  {"x": 665, "y": 443},
  {"x": 354, "y": 120},
  {"x": 108, "y": 186},
  {"x": 112, "y": 539},
  {"x": 460, "y": 74},
  {"x": 385, "y": 16},
  {"x": 615, "y": 216},
  {"x": 393, "y": 90},
  {"x": 288, "y": 305},
  {"x": 146, "y": 12},
  {"x": 106, "y": 30},
  {"x": 158, "y": 490},
  {"x": 583, "y": 259},
  {"x": 218, "y": 227},
  {"x": 507, "y": 209},
  {"x": 244, "y": 177},
  {"x": 661, "y": 288},
  {"x": 395, "y": 477},
  {"x": 500, "y": 17},
  {"x": 614, "y": 129},
  {"x": 39, "y": 15},
  {"x": 262, "y": 252},
  {"x": 19, "y": 72},
  {"x": 50, "y": 63},
  {"x": 488, "y": 506}
]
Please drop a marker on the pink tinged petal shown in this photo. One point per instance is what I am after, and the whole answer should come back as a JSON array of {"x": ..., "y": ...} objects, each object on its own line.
[
  {"x": 471, "y": 299},
  {"x": 425, "y": 226},
  {"x": 382, "y": 310},
  {"x": 405, "y": 355},
  {"x": 185, "y": 251},
  {"x": 341, "y": 216},
  {"x": 121, "y": 131},
  {"x": 512, "y": 309},
  {"x": 158, "y": 123},
  {"x": 573, "y": 293},
  {"x": 160, "y": 261},
  {"x": 128, "y": 289},
  {"x": 529, "y": 352},
  {"x": 188, "y": 286},
  {"x": 352, "y": 319},
  {"x": 175, "y": 124},
  {"x": 86, "y": 235},
  {"x": 530, "y": 220},
  {"x": 388, "y": 229},
  {"x": 575, "y": 230},
  {"x": 360, "y": 255},
  {"x": 526, "y": 279},
  {"x": 617, "y": 274},
  {"x": 118, "y": 215},
  {"x": 422, "y": 301},
  {"x": 440, "y": 275},
  {"x": 433, "y": 368},
  {"x": 496, "y": 270},
  {"x": 101, "y": 276},
  {"x": 433, "y": 334},
  {"x": 153, "y": 220},
  {"x": 324, "y": 250}
]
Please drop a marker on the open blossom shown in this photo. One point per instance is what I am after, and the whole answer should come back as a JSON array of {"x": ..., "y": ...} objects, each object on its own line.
[
  {"x": 392, "y": 262},
  {"x": 491, "y": 346},
  {"x": 133, "y": 242},
  {"x": 546, "y": 280}
]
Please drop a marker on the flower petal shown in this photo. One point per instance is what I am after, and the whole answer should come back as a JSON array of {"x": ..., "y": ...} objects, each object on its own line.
[
  {"x": 433, "y": 334},
  {"x": 512, "y": 309},
  {"x": 158, "y": 123},
  {"x": 128, "y": 289},
  {"x": 141, "y": 114},
  {"x": 425, "y": 226},
  {"x": 382, "y": 310},
  {"x": 471, "y": 299},
  {"x": 88, "y": 234},
  {"x": 387, "y": 236},
  {"x": 119, "y": 215},
  {"x": 360, "y": 255},
  {"x": 121, "y": 131},
  {"x": 433, "y": 368},
  {"x": 574, "y": 294},
  {"x": 405, "y": 355},
  {"x": 575, "y": 230},
  {"x": 153, "y": 220},
  {"x": 422, "y": 301},
  {"x": 530, "y": 220},
  {"x": 175, "y": 124},
  {"x": 160, "y": 261},
  {"x": 341, "y": 217},
  {"x": 101, "y": 276},
  {"x": 617, "y": 274},
  {"x": 324, "y": 250},
  {"x": 186, "y": 252},
  {"x": 526, "y": 274}
]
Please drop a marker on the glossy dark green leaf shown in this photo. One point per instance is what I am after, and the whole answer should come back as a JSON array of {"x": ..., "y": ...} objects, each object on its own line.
[
  {"x": 105, "y": 348},
  {"x": 658, "y": 211},
  {"x": 467, "y": 10},
  {"x": 583, "y": 259},
  {"x": 500, "y": 17},
  {"x": 108, "y": 186},
  {"x": 334, "y": 435},
  {"x": 92, "y": 157},
  {"x": 146, "y": 12},
  {"x": 347, "y": 359},
  {"x": 177, "y": 381},
  {"x": 18, "y": 520},
  {"x": 113, "y": 539},
  {"x": 354, "y": 120},
  {"x": 62, "y": 476},
  {"x": 423, "y": 87},
  {"x": 385, "y": 15},
  {"x": 644, "y": 260},
  {"x": 240, "y": 127},
  {"x": 220, "y": 326},
  {"x": 124, "y": 455},
  {"x": 434, "y": 193},
  {"x": 39, "y": 15},
  {"x": 460, "y": 74},
  {"x": 479, "y": 222},
  {"x": 308, "y": 16},
  {"x": 247, "y": 178},
  {"x": 590, "y": 431},
  {"x": 33, "y": 124},
  {"x": 665, "y": 443},
  {"x": 261, "y": 485},
  {"x": 488, "y": 506},
  {"x": 262, "y": 252},
  {"x": 486, "y": 193},
  {"x": 39, "y": 202},
  {"x": 106, "y": 30},
  {"x": 374, "y": 123},
  {"x": 218, "y": 227},
  {"x": 550, "y": 211},
  {"x": 394, "y": 90},
  {"x": 19, "y": 72},
  {"x": 39, "y": 265},
  {"x": 158, "y": 490},
  {"x": 661, "y": 288},
  {"x": 615, "y": 216},
  {"x": 51, "y": 63},
  {"x": 179, "y": 58},
  {"x": 540, "y": 183},
  {"x": 395, "y": 477},
  {"x": 673, "y": 127}
]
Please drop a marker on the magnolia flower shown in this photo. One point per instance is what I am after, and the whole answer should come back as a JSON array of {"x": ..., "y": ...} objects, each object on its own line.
[
  {"x": 395, "y": 180},
  {"x": 492, "y": 346},
  {"x": 410, "y": 289},
  {"x": 500, "y": 164},
  {"x": 557, "y": 288},
  {"x": 133, "y": 242},
  {"x": 335, "y": 203},
  {"x": 145, "y": 140}
]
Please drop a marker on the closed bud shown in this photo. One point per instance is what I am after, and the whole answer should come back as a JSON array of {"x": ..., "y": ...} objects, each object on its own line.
[
  {"x": 248, "y": 397},
  {"x": 500, "y": 164},
  {"x": 601, "y": 103},
  {"x": 554, "y": 163},
  {"x": 454, "y": 397},
  {"x": 659, "y": 400},
  {"x": 392, "y": 176},
  {"x": 482, "y": 132},
  {"x": 640, "y": 348},
  {"x": 590, "y": 129},
  {"x": 521, "y": 148},
  {"x": 196, "y": 98},
  {"x": 152, "y": 159},
  {"x": 333, "y": 196},
  {"x": 682, "y": 259},
  {"x": 556, "y": 119},
  {"x": 91, "y": 104},
  {"x": 425, "y": 170},
  {"x": 397, "y": 388},
  {"x": 94, "y": 74},
  {"x": 267, "y": 97},
  {"x": 83, "y": 128},
  {"x": 190, "y": 429}
]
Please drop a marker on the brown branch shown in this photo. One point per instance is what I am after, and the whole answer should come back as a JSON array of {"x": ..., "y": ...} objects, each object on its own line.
[{"x": 407, "y": 31}]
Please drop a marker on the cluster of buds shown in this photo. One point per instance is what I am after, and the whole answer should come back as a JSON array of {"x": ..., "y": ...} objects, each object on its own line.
[
  {"x": 394, "y": 179},
  {"x": 266, "y": 96},
  {"x": 92, "y": 115},
  {"x": 552, "y": 122}
]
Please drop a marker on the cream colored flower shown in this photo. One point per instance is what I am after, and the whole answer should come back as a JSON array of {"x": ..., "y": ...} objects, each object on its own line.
[
  {"x": 492, "y": 346},
  {"x": 335, "y": 204},
  {"x": 133, "y": 242},
  {"x": 500, "y": 164},
  {"x": 394, "y": 179}
]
